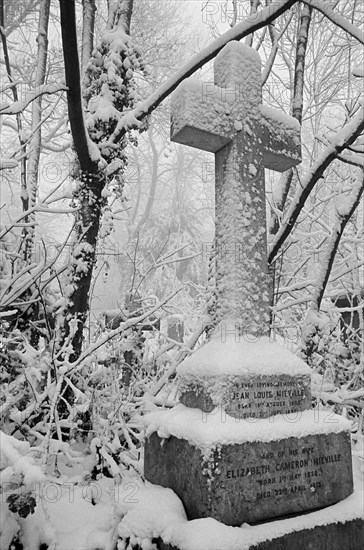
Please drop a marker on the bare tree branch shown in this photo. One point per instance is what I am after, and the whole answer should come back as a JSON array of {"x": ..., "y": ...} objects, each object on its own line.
[
  {"x": 36, "y": 128},
  {"x": 296, "y": 105},
  {"x": 253, "y": 9},
  {"x": 336, "y": 18},
  {"x": 19, "y": 122},
  {"x": 19, "y": 106},
  {"x": 250, "y": 24},
  {"x": 275, "y": 43},
  {"x": 345, "y": 137},
  {"x": 343, "y": 216},
  {"x": 28, "y": 8}
]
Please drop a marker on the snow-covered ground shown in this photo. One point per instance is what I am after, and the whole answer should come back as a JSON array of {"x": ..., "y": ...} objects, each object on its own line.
[{"x": 75, "y": 512}]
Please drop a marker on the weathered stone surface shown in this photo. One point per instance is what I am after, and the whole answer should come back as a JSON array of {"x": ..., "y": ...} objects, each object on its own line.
[
  {"x": 246, "y": 482},
  {"x": 175, "y": 328},
  {"x": 227, "y": 117},
  {"x": 348, "y": 535},
  {"x": 252, "y": 397},
  {"x": 253, "y": 481}
]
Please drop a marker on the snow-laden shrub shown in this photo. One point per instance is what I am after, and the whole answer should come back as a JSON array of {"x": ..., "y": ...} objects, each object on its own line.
[
  {"x": 19, "y": 475},
  {"x": 335, "y": 356}
]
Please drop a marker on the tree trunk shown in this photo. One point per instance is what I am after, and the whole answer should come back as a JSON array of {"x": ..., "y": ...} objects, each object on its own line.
[
  {"x": 88, "y": 10},
  {"x": 91, "y": 183},
  {"x": 22, "y": 140},
  {"x": 296, "y": 105},
  {"x": 36, "y": 141}
]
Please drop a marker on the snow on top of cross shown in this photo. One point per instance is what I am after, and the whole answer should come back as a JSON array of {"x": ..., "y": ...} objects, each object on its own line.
[
  {"x": 239, "y": 64},
  {"x": 206, "y": 431},
  {"x": 229, "y": 353},
  {"x": 238, "y": 50},
  {"x": 205, "y": 93},
  {"x": 191, "y": 84},
  {"x": 280, "y": 118}
]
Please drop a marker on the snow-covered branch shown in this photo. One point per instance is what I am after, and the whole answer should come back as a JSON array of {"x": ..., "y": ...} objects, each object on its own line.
[
  {"x": 182, "y": 353},
  {"x": 6, "y": 164},
  {"x": 35, "y": 140},
  {"x": 41, "y": 207},
  {"x": 18, "y": 106},
  {"x": 336, "y": 18},
  {"x": 343, "y": 138},
  {"x": 296, "y": 108},
  {"x": 354, "y": 160},
  {"x": 126, "y": 325},
  {"x": 251, "y": 24},
  {"x": 275, "y": 45},
  {"x": 344, "y": 214}
]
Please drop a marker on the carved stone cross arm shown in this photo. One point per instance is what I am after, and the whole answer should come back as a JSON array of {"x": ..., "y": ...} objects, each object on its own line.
[
  {"x": 207, "y": 116},
  {"x": 201, "y": 115},
  {"x": 281, "y": 139}
]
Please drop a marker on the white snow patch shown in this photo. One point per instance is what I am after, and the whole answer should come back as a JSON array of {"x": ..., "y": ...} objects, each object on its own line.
[
  {"x": 280, "y": 118},
  {"x": 143, "y": 511},
  {"x": 238, "y": 49},
  {"x": 252, "y": 170},
  {"x": 8, "y": 525},
  {"x": 151, "y": 511},
  {"x": 160, "y": 515},
  {"x": 231, "y": 353},
  {"x": 79, "y": 523},
  {"x": 93, "y": 150},
  {"x": 358, "y": 71},
  {"x": 207, "y": 430},
  {"x": 15, "y": 460}
]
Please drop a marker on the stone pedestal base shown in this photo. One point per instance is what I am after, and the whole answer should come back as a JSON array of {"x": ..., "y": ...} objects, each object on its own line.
[
  {"x": 253, "y": 481},
  {"x": 333, "y": 536}
]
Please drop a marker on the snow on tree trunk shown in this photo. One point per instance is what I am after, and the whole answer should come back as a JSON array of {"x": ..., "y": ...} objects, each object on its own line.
[{"x": 108, "y": 90}]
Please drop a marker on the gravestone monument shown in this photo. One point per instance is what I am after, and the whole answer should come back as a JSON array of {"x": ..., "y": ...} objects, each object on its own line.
[
  {"x": 244, "y": 445},
  {"x": 175, "y": 327}
]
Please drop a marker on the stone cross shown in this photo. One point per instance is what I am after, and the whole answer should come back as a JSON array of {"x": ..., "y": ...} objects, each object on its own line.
[{"x": 227, "y": 118}]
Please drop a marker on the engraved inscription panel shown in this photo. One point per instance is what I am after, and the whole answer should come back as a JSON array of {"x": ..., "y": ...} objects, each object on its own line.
[
  {"x": 252, "y": 397},
  {"x": 253, "y": 481},
  {"x": 265, "y": 396},
  {"x": 285, "y": 476},
  {"x": 282, "y": 473}
]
